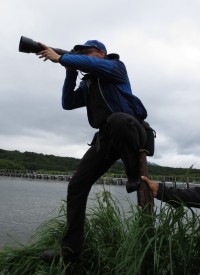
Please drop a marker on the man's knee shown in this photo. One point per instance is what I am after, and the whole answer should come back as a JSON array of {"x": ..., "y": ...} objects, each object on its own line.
[{"x": 122, "y": 122}]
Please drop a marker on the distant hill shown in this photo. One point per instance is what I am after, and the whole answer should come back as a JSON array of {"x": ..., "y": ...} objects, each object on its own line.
[{"x": 15, "y": 160}]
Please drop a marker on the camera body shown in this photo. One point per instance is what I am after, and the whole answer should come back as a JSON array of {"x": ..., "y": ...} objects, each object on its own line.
[{"x": 27, "y": 45}]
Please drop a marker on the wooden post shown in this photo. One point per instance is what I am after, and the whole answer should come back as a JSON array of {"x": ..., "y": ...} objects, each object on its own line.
[{"x": 144, "y": 194}]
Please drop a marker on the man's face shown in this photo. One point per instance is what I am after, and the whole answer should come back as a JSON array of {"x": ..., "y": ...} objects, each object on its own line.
[{"x": 93, "y": 52}]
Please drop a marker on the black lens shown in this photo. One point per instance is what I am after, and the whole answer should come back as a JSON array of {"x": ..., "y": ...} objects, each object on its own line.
[{"x": 27, "y": 45}]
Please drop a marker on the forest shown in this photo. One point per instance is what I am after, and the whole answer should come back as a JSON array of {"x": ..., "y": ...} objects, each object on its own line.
[{"x": 30, "y": 161}]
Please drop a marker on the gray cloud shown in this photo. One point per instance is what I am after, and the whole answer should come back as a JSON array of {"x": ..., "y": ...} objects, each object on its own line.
[{"x": 159, "y": 43}]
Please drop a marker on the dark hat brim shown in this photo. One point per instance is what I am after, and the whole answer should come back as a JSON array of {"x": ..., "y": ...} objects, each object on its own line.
[{"x": 81, "y": 47}]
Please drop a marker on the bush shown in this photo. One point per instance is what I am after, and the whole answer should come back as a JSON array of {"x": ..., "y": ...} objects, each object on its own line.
[{"x": 11, "y": 165}]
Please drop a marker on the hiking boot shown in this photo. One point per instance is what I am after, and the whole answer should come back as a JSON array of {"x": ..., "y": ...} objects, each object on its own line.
[
  {"x": 67, "y": 253},
  {"x": 132, "y": 185},
  {"x": 50, "y": 255}
]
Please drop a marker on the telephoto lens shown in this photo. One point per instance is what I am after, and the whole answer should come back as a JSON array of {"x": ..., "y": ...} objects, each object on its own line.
[{"x": 27, "y": 45}]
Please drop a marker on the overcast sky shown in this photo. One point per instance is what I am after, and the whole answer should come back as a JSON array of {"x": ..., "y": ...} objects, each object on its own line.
[{"x": 159, "y": 42}]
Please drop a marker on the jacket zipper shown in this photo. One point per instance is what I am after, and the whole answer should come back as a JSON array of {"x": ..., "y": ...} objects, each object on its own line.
[{"x": 103, "y": 96}]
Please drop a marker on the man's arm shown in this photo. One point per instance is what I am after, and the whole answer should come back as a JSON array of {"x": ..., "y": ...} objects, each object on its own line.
[
  {"x": 71, "y": 98},
  {"x": 113, "y": 70},
  {"x": 190, "y": 197}
]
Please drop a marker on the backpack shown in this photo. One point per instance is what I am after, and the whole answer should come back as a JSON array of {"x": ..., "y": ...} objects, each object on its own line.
[{"x": 151, "y": 135}]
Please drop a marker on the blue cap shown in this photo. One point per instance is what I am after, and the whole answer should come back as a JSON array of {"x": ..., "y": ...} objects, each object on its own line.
[{"x": 91, "y": 44}]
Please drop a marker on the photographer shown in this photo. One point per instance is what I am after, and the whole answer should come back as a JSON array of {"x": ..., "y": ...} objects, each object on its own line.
[
  {"x": 106, "y": 93},
  {"x": 175, "y": 196}
]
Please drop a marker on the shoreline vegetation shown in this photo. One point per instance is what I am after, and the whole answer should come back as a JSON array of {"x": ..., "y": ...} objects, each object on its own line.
[
  {"x": 50, "y": 165},
  {"x": 168, "y": 242}
]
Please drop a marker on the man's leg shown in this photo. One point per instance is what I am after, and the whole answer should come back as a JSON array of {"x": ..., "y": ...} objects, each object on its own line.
[
  {"x": 128, "y": 136},
  {"x": 92, "y": 166}
]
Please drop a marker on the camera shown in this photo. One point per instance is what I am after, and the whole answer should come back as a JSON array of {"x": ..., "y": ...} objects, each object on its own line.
[{"x": 27, "y": 45}]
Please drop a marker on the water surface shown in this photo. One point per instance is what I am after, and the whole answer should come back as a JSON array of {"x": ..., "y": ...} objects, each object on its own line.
[{"x": 25, "y": 204}]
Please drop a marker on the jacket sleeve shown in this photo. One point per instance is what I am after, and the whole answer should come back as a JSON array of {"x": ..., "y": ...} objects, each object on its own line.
[
  {"x": 110, "y": 69},
  {"x": 176, "y": 196},
  {"x": 73, "y": 98}
]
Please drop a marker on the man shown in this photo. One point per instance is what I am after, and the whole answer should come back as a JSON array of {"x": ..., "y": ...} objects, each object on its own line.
[
  {"x": 175, "y": 196},
  {"x": 106, "y": 93}
]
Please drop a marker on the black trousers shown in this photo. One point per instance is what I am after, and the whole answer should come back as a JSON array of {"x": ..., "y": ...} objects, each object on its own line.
[{"x": 122, "y": 137}]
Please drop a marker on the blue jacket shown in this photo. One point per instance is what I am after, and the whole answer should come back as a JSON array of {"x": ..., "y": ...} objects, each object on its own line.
[{"x": 113, "y": 83}]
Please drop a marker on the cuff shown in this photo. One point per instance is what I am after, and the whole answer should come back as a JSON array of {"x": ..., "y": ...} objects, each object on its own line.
[{"x": 161, "y": 188}]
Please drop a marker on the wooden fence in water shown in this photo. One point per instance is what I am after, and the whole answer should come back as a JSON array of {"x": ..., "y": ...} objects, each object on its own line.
[{"x": 115, "y": 179}]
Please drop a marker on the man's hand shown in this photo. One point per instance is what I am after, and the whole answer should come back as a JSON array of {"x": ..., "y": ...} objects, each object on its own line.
[
  {"x": 48, "y": 53},
  {"x": 152, "y": 185}
]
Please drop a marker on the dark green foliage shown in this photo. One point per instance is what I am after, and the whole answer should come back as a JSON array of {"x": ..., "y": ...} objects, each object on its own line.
[
  {"x": 11, "y": 165},
  {"x": 116, "y": 243},
  {"x": 34, "y": 162},
  {"x": 165, "y": 171},
  {"x": 45, "y": 163},
  {"x": 50, "y": 163}
]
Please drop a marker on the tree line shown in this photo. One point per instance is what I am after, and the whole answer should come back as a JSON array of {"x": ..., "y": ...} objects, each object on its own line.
[{"x": 15, "y": 160}]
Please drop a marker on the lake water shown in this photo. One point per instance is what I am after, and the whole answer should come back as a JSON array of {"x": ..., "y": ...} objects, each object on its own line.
[{"x": 25, "y": 204}]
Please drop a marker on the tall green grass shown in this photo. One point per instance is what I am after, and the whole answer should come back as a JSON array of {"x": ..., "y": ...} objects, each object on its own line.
[{"x": 116, "y": 242}]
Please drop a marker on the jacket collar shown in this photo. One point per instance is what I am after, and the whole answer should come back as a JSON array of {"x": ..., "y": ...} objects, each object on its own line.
[{"x": 112, "y": 56}]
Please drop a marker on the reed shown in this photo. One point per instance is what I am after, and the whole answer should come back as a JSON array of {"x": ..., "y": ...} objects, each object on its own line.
[{"x": 116, "y": 242}]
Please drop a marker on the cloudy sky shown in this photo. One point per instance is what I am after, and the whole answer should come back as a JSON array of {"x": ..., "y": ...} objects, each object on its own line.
[{"x": 159, "y": 41}]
